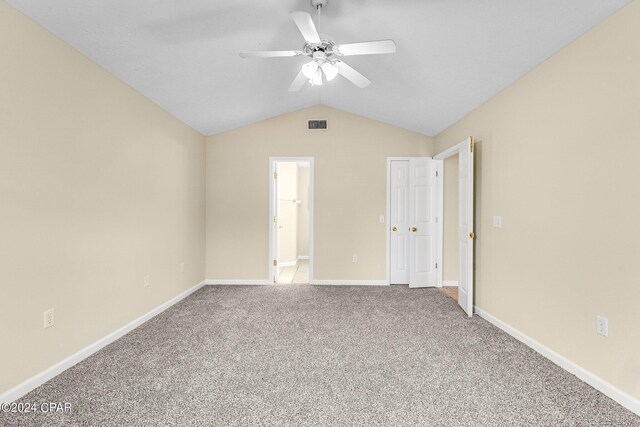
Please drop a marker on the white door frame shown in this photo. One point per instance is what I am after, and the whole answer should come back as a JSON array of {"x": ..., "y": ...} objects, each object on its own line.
[
  {"x": 272, "y": 254},
  {"x": 466, "y": 145}
]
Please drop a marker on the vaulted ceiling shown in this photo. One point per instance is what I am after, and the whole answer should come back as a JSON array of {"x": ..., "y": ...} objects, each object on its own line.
[{"x": 183, "y": 54}]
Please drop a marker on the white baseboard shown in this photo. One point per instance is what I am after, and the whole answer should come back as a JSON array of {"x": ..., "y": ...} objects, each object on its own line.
[
  {"x": 237, "y": 282},
  {"x": 350, "y": 282},
  {"x": 287, "y": 263},
  {"x": 449, "y": 283},
  {"x": 301, "y": 257},
  {"x": 623, "y": 398},
  {"x": 44, "y": 376}
]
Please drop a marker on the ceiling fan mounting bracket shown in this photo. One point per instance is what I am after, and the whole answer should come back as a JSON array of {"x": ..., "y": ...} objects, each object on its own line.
[{"x": 319, "y": 3}]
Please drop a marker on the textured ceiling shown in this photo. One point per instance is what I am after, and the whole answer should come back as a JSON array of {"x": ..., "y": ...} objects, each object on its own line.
[{"x": 452, "y": 54}]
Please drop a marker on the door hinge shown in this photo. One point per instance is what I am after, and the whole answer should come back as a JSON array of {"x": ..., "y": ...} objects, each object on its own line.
[
  {"x": 275, "y": 262},
  {"x": 436, "y": 220},
  {"x": 471, "y": 145},
  {"x": 436, "y": 265},
  {"x": 275, "y": 219},
  {"x": 275, "y": 175},
  {"x": 436, "y": 173}
]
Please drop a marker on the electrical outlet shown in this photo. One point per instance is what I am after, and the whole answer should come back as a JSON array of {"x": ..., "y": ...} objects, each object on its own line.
[
  {"x": 182, "y": 267},
  {"x": 49, "y": 318},
  {"x": 147, "y": 282},
  {"x": 602, "y": 326},
  {"x": 497, "y": 221},
  {"x": 381, "y": 219},
  {"x": 355, "y": 258}
]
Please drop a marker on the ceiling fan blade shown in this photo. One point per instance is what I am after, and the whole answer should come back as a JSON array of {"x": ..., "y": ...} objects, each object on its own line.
[
  {"x": 352, "y": 75},
  {"x": 271, "y": 54},
  {"x": 306, "y": 26},
  {"x": 298, "y": 82},
  {"x": 366, "y": 48}
]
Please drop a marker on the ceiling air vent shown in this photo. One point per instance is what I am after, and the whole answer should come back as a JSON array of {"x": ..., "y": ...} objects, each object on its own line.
[{"x": 317, "y": 125}]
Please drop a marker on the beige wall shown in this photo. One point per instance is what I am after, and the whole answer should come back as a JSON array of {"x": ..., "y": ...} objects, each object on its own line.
[
  {"x": 557, "y": 158},
  {"x": 451, "y": 253},
  {"x": 350, "y": 192},
  {"x": 98, "y": 187},
  {"x": 287, "y": 212},
  {"x": 303, "y": 211}
]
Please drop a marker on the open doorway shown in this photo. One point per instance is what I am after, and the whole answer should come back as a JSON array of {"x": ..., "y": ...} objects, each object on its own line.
[
  {"x": 291, "y": 220},
  {"x": 451, "y": 250},
  {"x": 455, "y": 231}
]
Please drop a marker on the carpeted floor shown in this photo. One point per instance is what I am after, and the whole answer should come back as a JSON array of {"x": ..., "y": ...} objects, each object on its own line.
[{"x": 319, "y": 355}]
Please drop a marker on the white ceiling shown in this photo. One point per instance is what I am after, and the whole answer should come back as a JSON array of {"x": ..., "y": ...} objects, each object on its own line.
[{"x": 183, "y": 54}]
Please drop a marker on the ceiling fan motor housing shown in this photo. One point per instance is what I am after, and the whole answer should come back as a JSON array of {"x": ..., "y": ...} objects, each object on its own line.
[
  {"x": 319, "y": 3},
  {"x": 325, "y": 47}
]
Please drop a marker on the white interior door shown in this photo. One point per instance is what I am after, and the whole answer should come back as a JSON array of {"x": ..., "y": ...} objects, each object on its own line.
[
  {"x": 275, "y": 206},
  {"x": 399, "y": 222},
  {"x": 465, "y": 226},
  {"x": 422, "y": 222}
]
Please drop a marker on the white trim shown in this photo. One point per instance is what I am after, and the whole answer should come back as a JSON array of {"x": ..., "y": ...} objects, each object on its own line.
[
  {"x": 440, "y": 225},
  {"x": 303, "y": 257},
  {"x": 77, "y": 357},
  {"x": 250, "y": 282},
  {"x": 273, "y": 256},
  {"x": 452, "y": 151},
  {"x": 388, "y": 223},
  {"x": 350, "y": 282},
  {"x": 288, "y": 263},
  {"x": 623, "y": 398},
  {"x": 449, "y": 283}
]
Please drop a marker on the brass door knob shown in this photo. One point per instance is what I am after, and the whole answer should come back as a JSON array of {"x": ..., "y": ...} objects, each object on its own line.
[
  {"x": 394, "y": 229},
  {"x": 414, "y": 229},
  {"x": 472, "y": 235}
]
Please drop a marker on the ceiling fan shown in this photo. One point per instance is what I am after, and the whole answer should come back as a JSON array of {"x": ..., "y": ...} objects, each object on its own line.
[{"x": 324, "y": 53}]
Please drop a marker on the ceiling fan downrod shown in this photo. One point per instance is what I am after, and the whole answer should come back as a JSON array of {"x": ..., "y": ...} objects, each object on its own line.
[{"x": 319, "y": 4}]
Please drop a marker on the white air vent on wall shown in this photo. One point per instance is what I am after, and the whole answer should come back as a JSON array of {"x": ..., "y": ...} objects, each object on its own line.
[{"x": 317, "y": 125}]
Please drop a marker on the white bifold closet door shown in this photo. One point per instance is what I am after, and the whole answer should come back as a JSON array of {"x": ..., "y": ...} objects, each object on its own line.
[
  {"x": 399, "y": 220},
  {"x": 413, "y": 222}
]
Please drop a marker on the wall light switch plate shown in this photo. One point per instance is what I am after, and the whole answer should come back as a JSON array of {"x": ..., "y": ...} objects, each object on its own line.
[
  {"x": 355, "y": 258},
  {"x": 147, "y": 282},
  {"x": 497, "y": 221},
  {"x": 182, "y": 267},
  {"x": 49, "y": 318},
  {"x": 381, "y": 219}
]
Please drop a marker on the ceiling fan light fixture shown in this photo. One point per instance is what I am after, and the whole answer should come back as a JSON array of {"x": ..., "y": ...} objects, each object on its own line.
[
  {"x": 317, "y": 78},
  {"x": 330, "y": 71},
  {"x": 309, "y": 69}
]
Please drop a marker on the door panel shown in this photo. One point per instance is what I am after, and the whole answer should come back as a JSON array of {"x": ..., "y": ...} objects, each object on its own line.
[
  {"x": 422, "y": 225},
  {"x": 423, "y": 246},
  {"x": 399, "y": 242},
  {"x": 465, "y": 227},
  {"x": 274, "y": 223}
]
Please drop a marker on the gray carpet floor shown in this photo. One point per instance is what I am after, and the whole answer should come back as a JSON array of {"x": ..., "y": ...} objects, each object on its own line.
[{"x": 319, "y": 355}]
